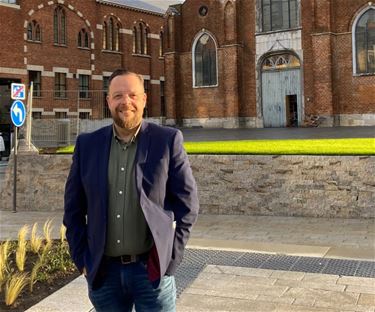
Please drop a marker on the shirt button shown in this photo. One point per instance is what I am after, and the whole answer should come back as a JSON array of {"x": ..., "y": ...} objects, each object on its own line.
[
  {"x": 120, "y": 192},
  {"x": 118, "y": 241},
  {"x": 122, "y": 168},
  {"x": 118, "y": 216}
]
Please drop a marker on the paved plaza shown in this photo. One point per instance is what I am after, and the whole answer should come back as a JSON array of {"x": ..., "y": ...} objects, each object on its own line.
[{"x": 253, "y": 263}]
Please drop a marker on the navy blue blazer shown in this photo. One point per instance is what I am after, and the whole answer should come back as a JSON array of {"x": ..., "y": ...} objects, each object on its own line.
[{"x": 167, "y": 193}]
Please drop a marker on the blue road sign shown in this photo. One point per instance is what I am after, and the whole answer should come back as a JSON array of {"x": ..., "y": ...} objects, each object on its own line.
[
  {"x": 18, "y": 113},
  {"x": 18, "y": 91}
]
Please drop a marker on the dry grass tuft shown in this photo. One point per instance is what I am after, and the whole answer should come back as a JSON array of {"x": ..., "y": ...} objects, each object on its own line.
[
  {"x": 4, "y": 254},
  {"x": 35, "y": 240},
  {"x": 21, "y": 248},
  {"x": 14, "y": 287},
  {"x": 34, "y": 273},
  {"x": 62, "y": 234},
  {"x": 47, "y": 230}
]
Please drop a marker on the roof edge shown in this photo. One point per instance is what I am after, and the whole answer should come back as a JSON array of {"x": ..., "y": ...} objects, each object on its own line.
[{"x": 129, "y": 7}]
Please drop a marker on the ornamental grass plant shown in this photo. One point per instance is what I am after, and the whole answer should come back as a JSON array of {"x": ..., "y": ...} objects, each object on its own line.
[
  {"x": 47, "y": 230},
  {"x": 36, "y": 241},
  {"x": 23, "y": 264},
  {"x": 21, "y": 248},
  {"x": 14, "y": 286},
  {"x": 4, "y": 266}
]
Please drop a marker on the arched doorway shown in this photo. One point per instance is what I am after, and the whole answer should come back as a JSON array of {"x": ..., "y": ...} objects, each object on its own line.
[{"x": 281, "y": 91}]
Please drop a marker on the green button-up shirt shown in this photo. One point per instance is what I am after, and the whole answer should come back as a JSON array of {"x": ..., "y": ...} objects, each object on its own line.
[{"x": 127, "y": 229}]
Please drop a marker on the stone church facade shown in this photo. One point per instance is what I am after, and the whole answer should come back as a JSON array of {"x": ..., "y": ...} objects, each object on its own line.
[{"x": 270, "y": 63}]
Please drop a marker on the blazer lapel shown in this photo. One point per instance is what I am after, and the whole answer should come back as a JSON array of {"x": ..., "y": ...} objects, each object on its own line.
[
  {"x": 141, "y": 155},
  {"x": 143, "y": 142},
  {"x": 104, "y": 144}
]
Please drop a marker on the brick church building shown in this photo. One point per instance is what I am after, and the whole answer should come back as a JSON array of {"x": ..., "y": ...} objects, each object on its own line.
[
  {"x": 270, "y": 63},
  {"x": 69, "y": 48},
  {"x": 209, "y": 63}
]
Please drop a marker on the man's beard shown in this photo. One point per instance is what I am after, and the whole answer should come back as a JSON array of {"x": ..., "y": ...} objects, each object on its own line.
[{"x": 126, "y": 123}]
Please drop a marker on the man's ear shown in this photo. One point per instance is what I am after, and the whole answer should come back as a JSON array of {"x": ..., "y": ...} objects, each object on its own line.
[{"x": 144, "y": 100}]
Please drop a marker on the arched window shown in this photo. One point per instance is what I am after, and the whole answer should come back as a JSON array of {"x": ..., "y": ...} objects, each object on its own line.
[
  {"x": 105, "y": 29},
  {"x": 145, "y": 40},
  {"x": 140, "y": 39},
  {"x": 59, "y": 26},
  {"x": 279, "y": 14},
  {"x": 30, "y": 31},
  {"x": 161, "y": 44},
  {"x": 86, "y": 43},
  {"x": 33, "y": 31},
  {"x": 38, "y": 36},
  {"x": 117, "y": 37},
  {"x": 111, "y": 35},
  {"x": 204, "y": 61},
  {"x": 135, "y": 40},
  {"x": 280, "y": 62},
  {"x": 83, "y": 39},
  {"x": 364, "y": 42}
]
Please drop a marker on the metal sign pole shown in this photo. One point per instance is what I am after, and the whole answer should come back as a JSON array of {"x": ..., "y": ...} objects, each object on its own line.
[
  {"x": 18, "y": 115},
  {"x": 15, "y": 170},
  {"x": 29, "y": 113}
]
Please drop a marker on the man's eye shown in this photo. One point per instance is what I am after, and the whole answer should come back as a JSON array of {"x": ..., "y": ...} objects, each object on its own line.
[{"x": 117, "y": 96}]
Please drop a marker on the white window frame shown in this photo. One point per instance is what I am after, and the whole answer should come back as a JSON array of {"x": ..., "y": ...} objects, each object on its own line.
[{"x": 197, "y": 36}]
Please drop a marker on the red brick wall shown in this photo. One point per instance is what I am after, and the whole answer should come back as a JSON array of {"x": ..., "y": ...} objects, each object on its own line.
[
  {"x": 49, "y": 55},
  {"x": 328, "y": 69},
  {"x": 11, "y": 36}
]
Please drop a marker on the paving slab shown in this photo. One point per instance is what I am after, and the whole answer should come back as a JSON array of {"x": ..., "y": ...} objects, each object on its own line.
[
  {"x": 298, "y": 296},
  {"x": 274, "y": 248}
]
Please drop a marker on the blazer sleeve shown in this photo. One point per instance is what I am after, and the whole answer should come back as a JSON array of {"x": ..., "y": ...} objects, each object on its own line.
[
  {"x": 75, "y": 210},
  {"x": 182, "y": 199}
]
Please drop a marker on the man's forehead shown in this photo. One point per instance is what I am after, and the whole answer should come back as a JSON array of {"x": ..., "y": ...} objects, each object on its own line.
[
  {"x": 126, "y": 82},
  {"x": 127, "y": 77}
]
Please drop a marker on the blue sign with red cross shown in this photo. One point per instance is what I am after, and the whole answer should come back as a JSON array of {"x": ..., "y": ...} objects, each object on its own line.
[{"x": 18, "y": 91}]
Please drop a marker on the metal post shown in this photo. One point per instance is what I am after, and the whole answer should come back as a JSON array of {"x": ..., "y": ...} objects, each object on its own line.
[
  {"x": 15, "y": 170},
  {"x": 29, "y": 113}
]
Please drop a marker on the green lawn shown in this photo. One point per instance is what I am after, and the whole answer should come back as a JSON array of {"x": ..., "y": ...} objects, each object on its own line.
[{"x": 278, "y": 147}]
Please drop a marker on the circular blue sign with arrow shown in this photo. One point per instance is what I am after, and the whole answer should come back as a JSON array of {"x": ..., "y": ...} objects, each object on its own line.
[{"x": 18, "y": 113}]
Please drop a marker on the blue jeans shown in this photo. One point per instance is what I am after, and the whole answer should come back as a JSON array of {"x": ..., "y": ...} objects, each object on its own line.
[{"x": 126, "y": 286}]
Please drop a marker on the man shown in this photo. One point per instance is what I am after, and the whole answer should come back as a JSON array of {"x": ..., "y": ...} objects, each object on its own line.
[{"x": 130, "y": 203}]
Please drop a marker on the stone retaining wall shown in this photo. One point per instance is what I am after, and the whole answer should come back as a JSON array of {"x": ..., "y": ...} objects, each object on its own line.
[{"x": 319, "y": 186}]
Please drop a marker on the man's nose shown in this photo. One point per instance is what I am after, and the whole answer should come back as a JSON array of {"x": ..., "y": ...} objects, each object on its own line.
[{"x": 127, "y": 98}]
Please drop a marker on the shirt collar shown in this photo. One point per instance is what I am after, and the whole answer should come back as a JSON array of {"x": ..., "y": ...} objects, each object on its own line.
[{"x": 133, "y": 138}]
